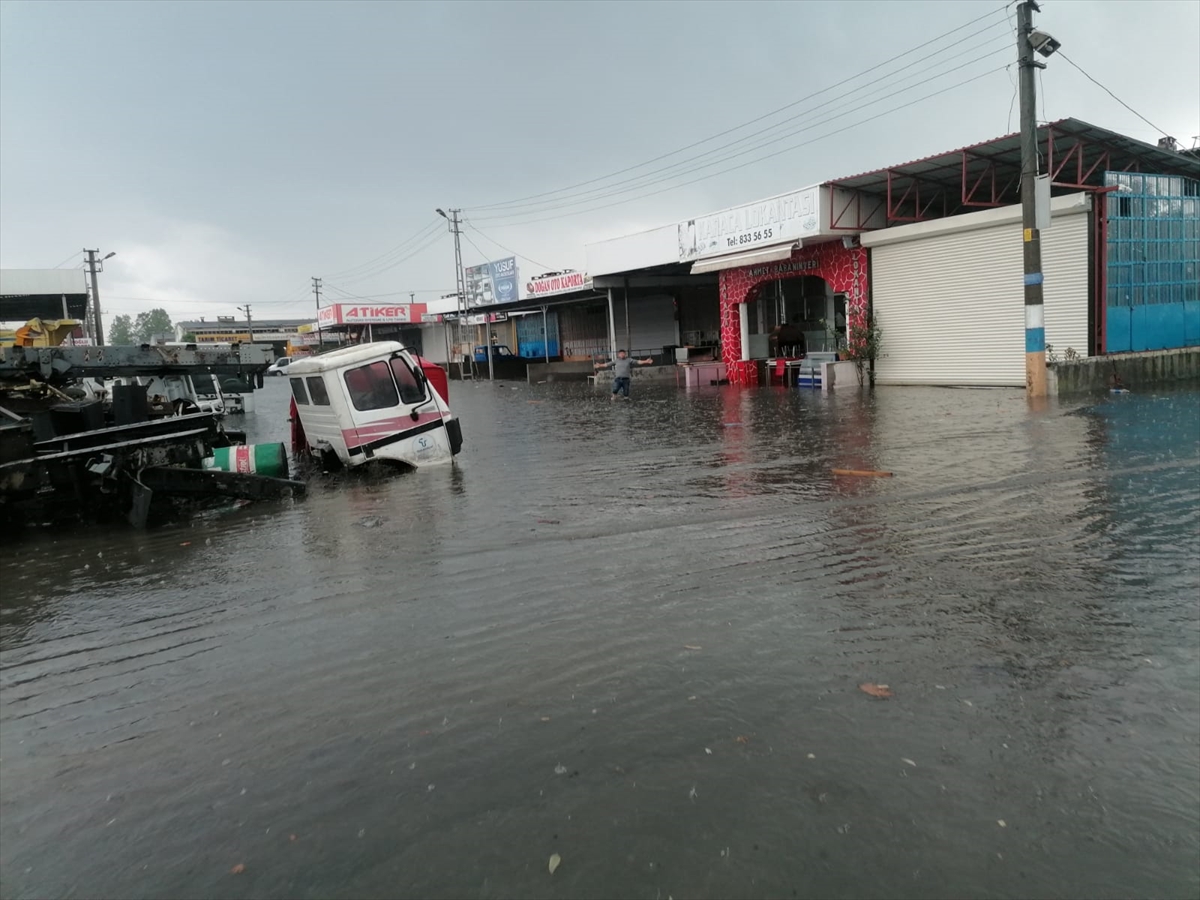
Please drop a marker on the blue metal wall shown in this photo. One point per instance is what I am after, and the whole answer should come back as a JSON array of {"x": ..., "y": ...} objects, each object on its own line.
[
  {"x": 1153, "y": 300},
  {"x": 531, "y": 339}
]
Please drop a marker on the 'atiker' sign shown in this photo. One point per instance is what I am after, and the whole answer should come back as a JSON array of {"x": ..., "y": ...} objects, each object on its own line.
[
  {"x": 557, "y": 283},
  {"x": 347, "y": 314}
]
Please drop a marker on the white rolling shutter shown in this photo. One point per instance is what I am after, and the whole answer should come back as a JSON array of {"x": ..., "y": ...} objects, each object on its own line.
[
  {"x": 1065, "y": 259},
  {"x": 951, "y": 305},
  {"x": 652, "y": 324}
]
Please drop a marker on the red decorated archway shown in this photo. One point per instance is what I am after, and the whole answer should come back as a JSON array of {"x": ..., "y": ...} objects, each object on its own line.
[{"x": 843, "y": 268}]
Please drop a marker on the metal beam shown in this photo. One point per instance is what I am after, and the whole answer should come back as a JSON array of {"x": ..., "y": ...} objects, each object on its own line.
[
  {"x": 21, "y": 363},
  {"x": 603, "y": 282}
]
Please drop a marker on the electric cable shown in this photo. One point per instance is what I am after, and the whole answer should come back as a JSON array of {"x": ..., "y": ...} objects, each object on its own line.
[
  {"x": 1111, "y": 94},
  {"x": 758, "y": 159},
  {"x": 647, "y": 179},
  {"x": 760, "y": 118},
  {"x": 507, "y": 224}
]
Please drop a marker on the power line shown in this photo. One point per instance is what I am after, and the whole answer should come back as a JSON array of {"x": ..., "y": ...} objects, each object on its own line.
[
  {"x": 412, "y": 239},
  {"x": 505, "y": 249},
  {"x": 379, "y": 270},
  {"x": 476, "y": 246},
  {"x": 752, "y": 149},
  {"x": 1114, "y": 96},
  {"x": 753, "y": 121},
  {"x": 774, "y": 140},
  {"x": 345, "y": 294},
  {"x": 69, "y": 258},
  {"x": 438, "y": 291},
  {"x": 805, "y": 117},
  {"x": 1011, "y": 103},
  {"x": 751, "y": 162}
]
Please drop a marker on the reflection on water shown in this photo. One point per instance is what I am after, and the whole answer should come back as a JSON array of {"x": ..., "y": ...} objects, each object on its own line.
[{"x": 633, "y": 634}]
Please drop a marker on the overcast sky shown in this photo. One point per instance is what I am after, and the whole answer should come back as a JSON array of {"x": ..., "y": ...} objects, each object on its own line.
[{"x": 229, "y": 151}]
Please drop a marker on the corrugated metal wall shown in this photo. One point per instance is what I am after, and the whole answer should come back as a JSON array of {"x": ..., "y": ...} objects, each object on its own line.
[
  {"x": 952, "y": 310},
  {"x": 583, "y": 331},
  {"x": 651, "y": 324}
]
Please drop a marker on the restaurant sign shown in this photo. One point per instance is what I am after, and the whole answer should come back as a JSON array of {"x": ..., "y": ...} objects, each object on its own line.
[{"x": 778, "y": 220}]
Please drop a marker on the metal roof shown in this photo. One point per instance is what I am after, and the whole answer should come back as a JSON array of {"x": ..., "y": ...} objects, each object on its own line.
[
  {"x": 38, "y": 293},
  {"x": 1056, "y": 141}
]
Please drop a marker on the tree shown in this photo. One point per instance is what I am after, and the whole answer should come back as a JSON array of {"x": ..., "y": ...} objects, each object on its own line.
[
  {"x": 121, "y": 330},
  {"x": 862, "y": 345},
  {"x": 190, "y": 337},
  {"x": 148, "y": 324}
]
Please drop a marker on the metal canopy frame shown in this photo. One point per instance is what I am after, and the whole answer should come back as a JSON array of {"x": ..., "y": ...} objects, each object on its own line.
[{"x": 986, "y": 175}]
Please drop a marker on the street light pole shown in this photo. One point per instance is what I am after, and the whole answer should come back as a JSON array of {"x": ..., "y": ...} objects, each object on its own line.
[
  {"x": 98, "y": 325},
  {"x": 1035, "y": 319}
]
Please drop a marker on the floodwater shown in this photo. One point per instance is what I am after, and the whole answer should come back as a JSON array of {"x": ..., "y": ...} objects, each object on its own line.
[{"x": 633, "y": 635}]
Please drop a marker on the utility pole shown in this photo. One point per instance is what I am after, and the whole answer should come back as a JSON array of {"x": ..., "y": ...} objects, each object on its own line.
[
  {"x": 317, "y": 294},
  {"x": 460, "y": 279},
  {"x": 1035, "y": 321},
  {"x": 249, "y": 324},
  {"x": 97, "y": 325}
]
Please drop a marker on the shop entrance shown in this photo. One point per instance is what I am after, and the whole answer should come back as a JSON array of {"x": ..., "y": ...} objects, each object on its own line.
[{"x": 806, "y": 302}]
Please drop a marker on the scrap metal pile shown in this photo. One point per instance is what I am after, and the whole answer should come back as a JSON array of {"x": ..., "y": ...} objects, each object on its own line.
[{"x": 67, "y": 453}]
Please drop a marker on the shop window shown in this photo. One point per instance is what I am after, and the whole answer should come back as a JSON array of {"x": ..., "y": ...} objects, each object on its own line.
[
  {"x": 316, "y": 389},
  {"x": 298, "y": 391},
  {"x": 371, "y": 387},
  {"x": 410, "y": 387}
]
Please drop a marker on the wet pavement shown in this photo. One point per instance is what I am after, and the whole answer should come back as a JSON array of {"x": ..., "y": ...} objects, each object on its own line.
[{"x": 633, "y": 635}]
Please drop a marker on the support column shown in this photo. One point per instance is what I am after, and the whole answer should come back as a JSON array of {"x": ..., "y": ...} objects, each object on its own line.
[
  {"x": 744, "y": 323},
  {"x": 735, "y": 327},
  {"x": 612, "y": 327}
]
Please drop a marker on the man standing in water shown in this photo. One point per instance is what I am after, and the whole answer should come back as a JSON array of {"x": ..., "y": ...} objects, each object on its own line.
[{"x": 622, "y": 368}]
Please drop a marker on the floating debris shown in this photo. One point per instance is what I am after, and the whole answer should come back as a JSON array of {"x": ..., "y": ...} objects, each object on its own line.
[
  {"x": 555, "y": 862},
  {"x": 880, "y": 691}
]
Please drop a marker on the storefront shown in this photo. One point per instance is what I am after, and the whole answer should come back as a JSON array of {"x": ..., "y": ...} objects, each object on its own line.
[
  {"x": 784, "y": 271},
  {"x": 360, "y": 323},
  {"x": 820, "y": 291}
]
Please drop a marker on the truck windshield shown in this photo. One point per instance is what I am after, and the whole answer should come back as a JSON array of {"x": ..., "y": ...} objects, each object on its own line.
[{"x": 371, "y": 387}]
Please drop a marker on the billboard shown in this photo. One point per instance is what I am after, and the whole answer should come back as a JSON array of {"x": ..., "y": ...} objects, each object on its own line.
[{"x": 492, "y": 282}]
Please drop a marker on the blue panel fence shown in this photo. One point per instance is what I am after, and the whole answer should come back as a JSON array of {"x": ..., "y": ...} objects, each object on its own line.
[{"x": 1153, "y": 300}]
